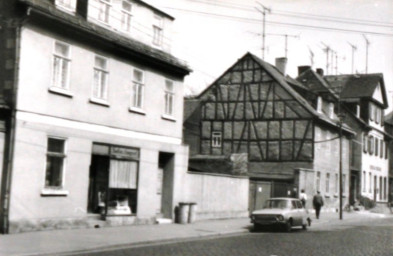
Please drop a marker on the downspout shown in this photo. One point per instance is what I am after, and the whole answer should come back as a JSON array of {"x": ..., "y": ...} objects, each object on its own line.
[{"x": 10, "y": 137}]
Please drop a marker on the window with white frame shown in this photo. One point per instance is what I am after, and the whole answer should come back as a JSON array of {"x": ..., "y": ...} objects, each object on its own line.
[
  {"x": 364, "y": 143},
  {"x": 169, "y": 97},
  {"x": 104, "y": 10},
  {"x": 61, "y": 65},
  {"x": 101, "y": 73},
  {"x": 126, "y": 15},
  {"x": 327, "y": 183},
  {"x": 370, "y": 182},
  {"x": 318, "y": 181},
  {"x": 137, "y": 89},
  {"x": 55, "y": 163},
  {"x": 216, "y": 139},
  {"x": 376, "y": 146},
  {"x": 68, "y": 4},
  {"x": 158, "y": 30},
  {"x": 344, "y": 182}
]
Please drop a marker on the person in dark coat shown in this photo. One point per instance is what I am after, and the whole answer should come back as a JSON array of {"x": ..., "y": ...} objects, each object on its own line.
[{"x": 317, "y": 202}]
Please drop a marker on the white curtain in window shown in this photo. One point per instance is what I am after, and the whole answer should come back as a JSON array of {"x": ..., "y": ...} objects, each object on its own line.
[{"x": 123, "y": 174}]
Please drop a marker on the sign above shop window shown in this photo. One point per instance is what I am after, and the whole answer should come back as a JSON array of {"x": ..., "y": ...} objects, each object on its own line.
[{"x": 122, "y": 152}]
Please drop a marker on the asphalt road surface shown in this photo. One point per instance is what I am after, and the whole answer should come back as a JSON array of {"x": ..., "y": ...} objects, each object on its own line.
[{"x": 371, "y": 238}]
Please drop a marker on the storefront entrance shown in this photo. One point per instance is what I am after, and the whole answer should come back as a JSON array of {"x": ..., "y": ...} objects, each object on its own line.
[
  {"x": 166, "y": 162},
  {"x": 113, "y": 182}
]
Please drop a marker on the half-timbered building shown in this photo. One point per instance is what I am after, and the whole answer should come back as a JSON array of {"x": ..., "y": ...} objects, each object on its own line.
[{"x": 252, "y": 108}]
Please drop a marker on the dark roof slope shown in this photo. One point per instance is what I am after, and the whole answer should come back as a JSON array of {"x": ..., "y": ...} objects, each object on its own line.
[
  {"x": 357, "y": 86},
  {"x": 144, "y": 3},
  {"x": 45, "y": 8},
  {"x": 389, "y": 118}
]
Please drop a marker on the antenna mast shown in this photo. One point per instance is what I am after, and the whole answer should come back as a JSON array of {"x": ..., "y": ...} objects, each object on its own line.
[
  {"x": 367, "y": 45},
  {"x": 264, "y": 10},
  {"x": 354, "y": 48}
]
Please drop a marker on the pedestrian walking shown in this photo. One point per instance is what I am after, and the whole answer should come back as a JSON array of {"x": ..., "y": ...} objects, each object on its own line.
[
  {"x": 303, "y": 198},
  {"x": 317, "y": 202}
]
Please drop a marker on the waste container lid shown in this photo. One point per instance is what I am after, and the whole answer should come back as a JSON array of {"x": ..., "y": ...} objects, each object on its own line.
[{"x": 184, "y": 203}]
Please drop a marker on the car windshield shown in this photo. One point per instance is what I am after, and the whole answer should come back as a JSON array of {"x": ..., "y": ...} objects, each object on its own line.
[{"x": 281, "y": 204}]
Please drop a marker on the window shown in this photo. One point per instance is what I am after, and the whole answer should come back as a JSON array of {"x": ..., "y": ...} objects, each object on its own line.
[
  {"x": 100, "y": 86},
  {"x": 318, "y": 180},
  {"x": 61, "y": 66},
  {"x": 381, "y": 149},
  {"x": 68, "y": 4},
  {"x": 126, "y": 16},
  {"x": 370, "y": 145},
  {"x": 377, "y": 114},
  {"x": 344, "y": 182},
  {"x": 216, "y": 139},
  {"x": 384, "y": 189},
  {"x": 137, "y": 89},
  {"x": 371, "y": 111},
  {"x": 386, "y": 150},
  {"x": 370, "y": 182},
  {"x": 169, "y": 97},
  {"x": 55, "y": 157},
  {"x": 104, "y": 10},
  {"x": 364, "y": 143},
  {"x": 157, "y": 30},
  {"x": 380, "y": 188},
  {"x": 376, "y": 146},
  {"x": 327, "y": 182},
  {"x": 364, "y": 181}
]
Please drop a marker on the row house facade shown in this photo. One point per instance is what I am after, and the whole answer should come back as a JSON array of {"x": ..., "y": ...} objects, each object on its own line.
[
  {"x": 80, "y": 134},
  {"x": 364, "y": 95},
  {"x": 254, "y": 109},
  {"x": 389, "y": 130}
]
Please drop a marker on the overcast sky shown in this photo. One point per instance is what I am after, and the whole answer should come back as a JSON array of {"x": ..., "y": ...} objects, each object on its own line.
[{"x": 212, "y": 34}]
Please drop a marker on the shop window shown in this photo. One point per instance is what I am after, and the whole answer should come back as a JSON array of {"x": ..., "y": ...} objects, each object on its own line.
[{"x": 55, "y": 158}]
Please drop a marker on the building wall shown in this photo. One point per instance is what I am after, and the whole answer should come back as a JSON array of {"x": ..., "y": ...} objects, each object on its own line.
[
  {"x": 30, "y": 208},
  {"x": 37, "y": 51},
  {"x": 218, "y": 196},
  {"x": 327, "y": 162}
]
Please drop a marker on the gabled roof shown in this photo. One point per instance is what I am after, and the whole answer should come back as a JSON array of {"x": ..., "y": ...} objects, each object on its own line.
[
  {"x": 357, "y": 85},
  {"x": 283, "y": 81},
  {"x": 318, "y": 83},
  {"x": 134, "y": 47}
]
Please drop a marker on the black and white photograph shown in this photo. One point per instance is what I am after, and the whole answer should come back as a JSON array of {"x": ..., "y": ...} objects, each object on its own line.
[{"x": 196, "y": 127}]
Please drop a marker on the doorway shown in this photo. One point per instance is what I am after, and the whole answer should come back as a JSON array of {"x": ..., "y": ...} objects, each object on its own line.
[
  {"x": 165, "y": 178},
  {"x": 98, "y": 183}
]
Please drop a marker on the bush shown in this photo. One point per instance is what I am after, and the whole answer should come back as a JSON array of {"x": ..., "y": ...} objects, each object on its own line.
[{"x": 366, "y": 202}]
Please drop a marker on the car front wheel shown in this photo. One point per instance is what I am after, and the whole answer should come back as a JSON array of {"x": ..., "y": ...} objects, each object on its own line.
[{"x": 288, "y": 226}]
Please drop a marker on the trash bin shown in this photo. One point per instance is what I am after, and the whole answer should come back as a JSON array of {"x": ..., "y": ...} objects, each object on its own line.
[
  {"x": 191, "y": 212},
  {"x": 183, "y": 213}
]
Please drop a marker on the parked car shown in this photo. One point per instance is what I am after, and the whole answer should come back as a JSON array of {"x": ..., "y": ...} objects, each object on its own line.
[{"x": 282, "y": 212}]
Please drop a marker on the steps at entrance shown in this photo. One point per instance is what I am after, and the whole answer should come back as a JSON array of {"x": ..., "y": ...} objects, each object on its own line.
[{"x": 163, "y": 221}]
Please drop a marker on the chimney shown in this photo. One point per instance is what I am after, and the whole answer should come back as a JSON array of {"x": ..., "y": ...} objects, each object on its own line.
[
  {"x": 82, "y": 7},
  {"x": 301, "y": 69},
  {"x": 320, "y": 71},
  {"x": 281, "y": 64}
]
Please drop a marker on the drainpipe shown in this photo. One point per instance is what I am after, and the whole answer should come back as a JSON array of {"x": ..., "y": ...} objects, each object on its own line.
[{"x": 10, "y": 138}]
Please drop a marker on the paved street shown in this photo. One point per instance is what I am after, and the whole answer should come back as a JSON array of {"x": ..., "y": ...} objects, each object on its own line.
[{"x": 366, "y": 237}]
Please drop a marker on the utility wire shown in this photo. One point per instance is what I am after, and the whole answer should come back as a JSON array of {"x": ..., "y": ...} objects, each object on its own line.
[{"x": 251, "y": 20}]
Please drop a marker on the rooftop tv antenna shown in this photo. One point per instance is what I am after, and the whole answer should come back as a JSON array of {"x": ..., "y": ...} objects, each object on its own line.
[{"x": 263, "y": 11}]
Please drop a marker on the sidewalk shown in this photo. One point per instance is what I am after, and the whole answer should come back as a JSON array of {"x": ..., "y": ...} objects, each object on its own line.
[{"x": 64, "y": 242}]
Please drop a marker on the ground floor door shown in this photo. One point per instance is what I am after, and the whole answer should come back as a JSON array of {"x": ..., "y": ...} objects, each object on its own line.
[
  {"x": 260, "y": 191},
  {"x": 353, "y": 188},
  {"x": 98, "y": 183},
  {"x": 166, "y": 165}
]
